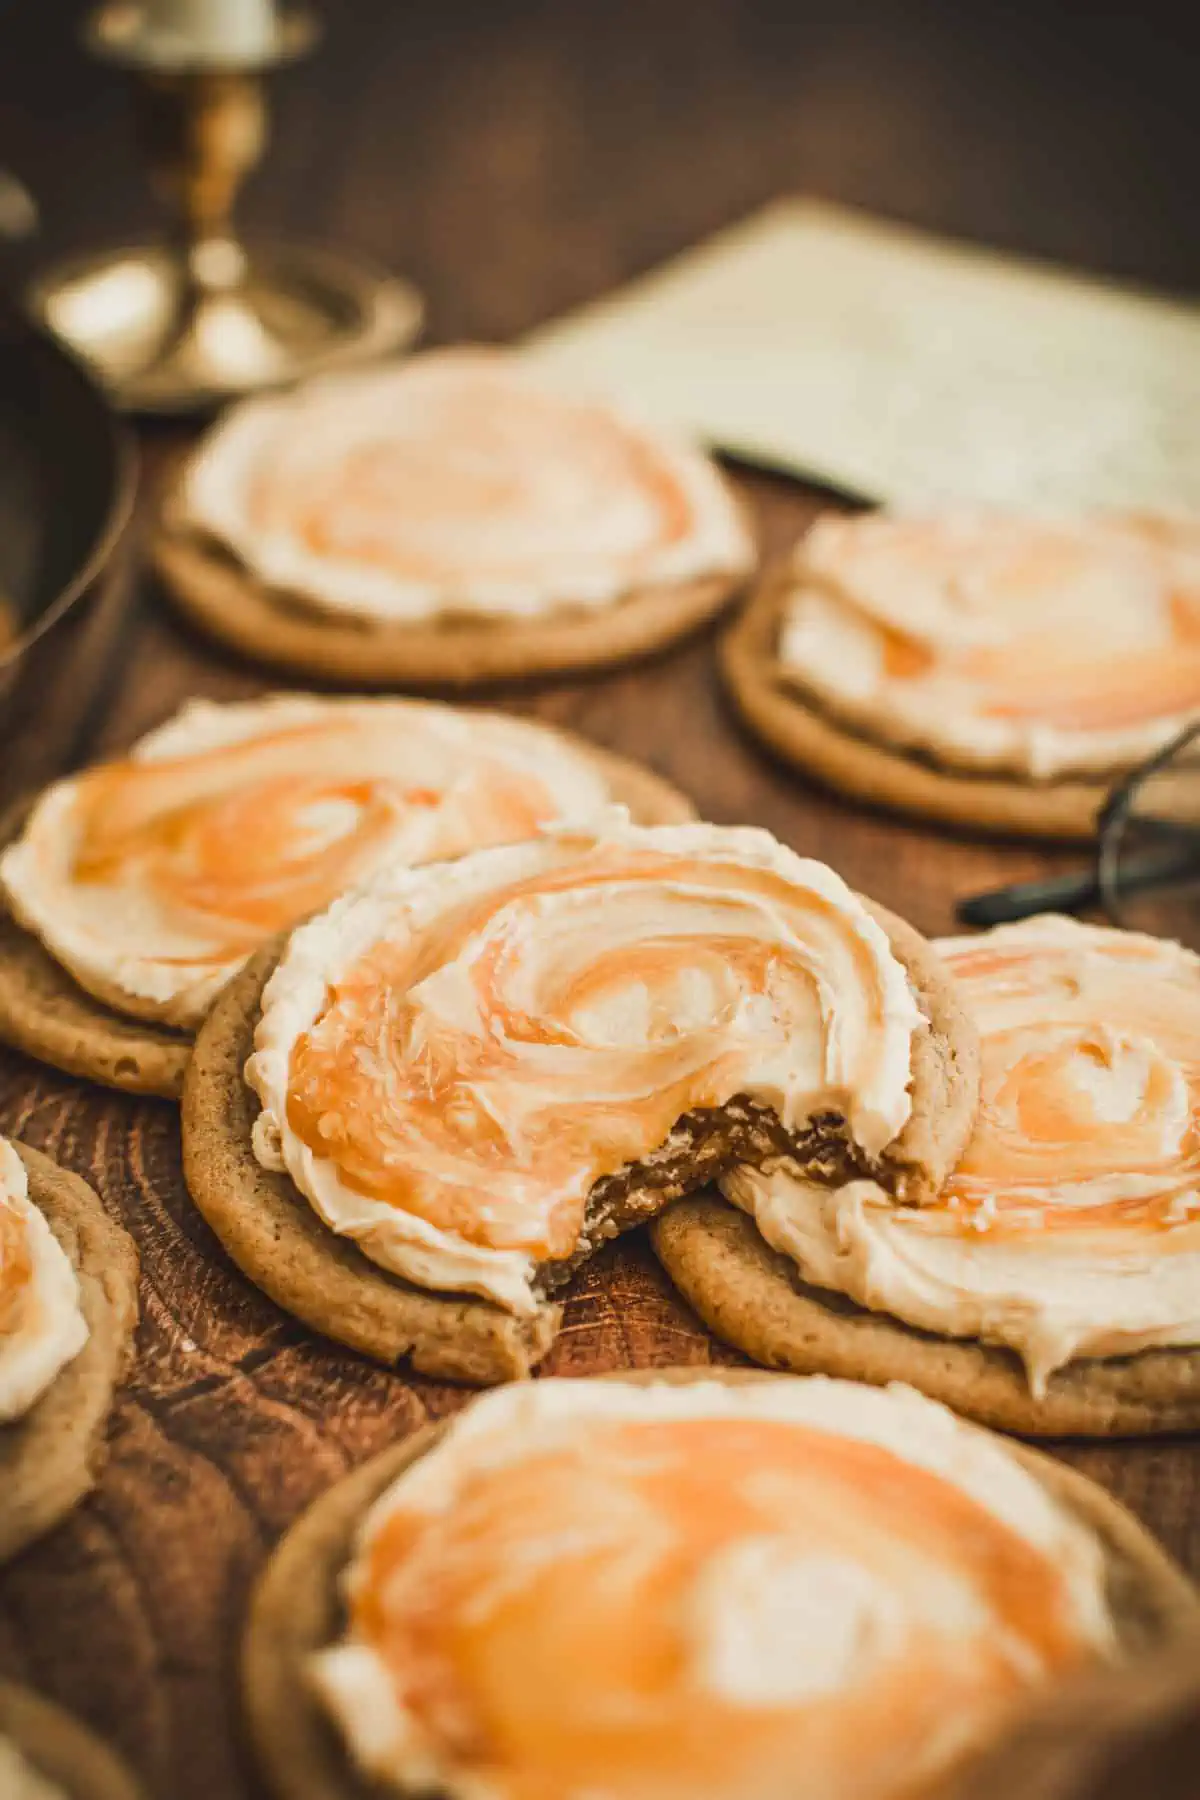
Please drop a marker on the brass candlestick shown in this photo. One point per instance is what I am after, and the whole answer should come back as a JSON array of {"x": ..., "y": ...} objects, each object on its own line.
[{"x": 183, "y": 325}]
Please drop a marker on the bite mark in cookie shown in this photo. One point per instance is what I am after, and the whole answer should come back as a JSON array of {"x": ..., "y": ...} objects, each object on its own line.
[{"x": 477, "y": 1073}]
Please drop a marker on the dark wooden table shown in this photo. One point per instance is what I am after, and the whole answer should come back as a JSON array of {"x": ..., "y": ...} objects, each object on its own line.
[{"x": 516, "y": 160}]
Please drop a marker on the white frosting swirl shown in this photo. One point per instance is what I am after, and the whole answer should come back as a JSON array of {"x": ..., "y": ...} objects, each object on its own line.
[
  {"x": 452, "y": 483},
  {"x": 41, "y": 1323},
  {"x": 1071, "y": 1227},
  {"x": 450, "y": 1059},
  {"x": 1035, "y": 647},
  {"x": 690, "y": 1592},
  {"x": 153, "y": 879}
]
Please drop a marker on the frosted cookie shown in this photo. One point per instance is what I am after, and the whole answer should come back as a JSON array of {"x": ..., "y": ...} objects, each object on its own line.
[
  {"x": 469, "y": 1076},
  {"x": 137, "y": 888},
  {"x": 986, "y": 670},
  {"x": 447, "y": 521},
  {"x": 686, "y": 1586},
  {"x": 45, "y": 1754},
  {"x": 1054, "y": 1287},
  {"x": 68, "y": 1306}
]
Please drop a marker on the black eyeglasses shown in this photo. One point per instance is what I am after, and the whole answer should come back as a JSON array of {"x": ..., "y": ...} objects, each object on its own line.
[{"x": 1146, "y": 870}]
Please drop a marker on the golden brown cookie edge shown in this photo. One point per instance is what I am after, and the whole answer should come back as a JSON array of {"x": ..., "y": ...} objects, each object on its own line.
[
  {"x": 230, "y": 605},
  {"x": 62, "y": 1749},
  {"x": 752, "y": 1298},
  {"x": 46, "y": 1015},
  {"x": 51, "y": 1458}
]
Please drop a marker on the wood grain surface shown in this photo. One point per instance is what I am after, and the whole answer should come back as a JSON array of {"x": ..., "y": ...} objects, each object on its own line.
[{"x": 517, "y": 159}]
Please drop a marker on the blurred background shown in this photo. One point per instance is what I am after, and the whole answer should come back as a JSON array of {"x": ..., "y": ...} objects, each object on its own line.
[{"x": 515, "y": 157}]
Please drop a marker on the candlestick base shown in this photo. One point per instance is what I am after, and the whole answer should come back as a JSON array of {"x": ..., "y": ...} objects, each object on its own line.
[{"x": 168, "y": 337}]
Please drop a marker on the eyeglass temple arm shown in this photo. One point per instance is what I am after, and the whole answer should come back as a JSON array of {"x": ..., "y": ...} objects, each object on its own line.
[
  {"x": 1091, "y": 887},
  {"x": 1083, "y": 887},
  {"x": 1053, "y": 893}
]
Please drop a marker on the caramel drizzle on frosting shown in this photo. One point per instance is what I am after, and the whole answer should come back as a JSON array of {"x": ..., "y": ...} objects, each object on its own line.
[
  {"x": 455, "y": 484},
  {"x": 16, "y": 1263},
  {"x": 1085, "y": 628},
  {"x": 572, "y": 1620},
  {"x": 482, "y": 1072},
  {"x": 241, "y": 841},
  {"x": 475, "y": 489},
  {"x": 1089, "y": 1119}
]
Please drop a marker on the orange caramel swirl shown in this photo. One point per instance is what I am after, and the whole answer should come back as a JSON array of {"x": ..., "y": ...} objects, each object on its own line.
[
  {"x": 450, "y": 1062},
  {"x": 453, "y": 483},
  {"x": 1071, "y": 1226},
  {"x": 42, "y": 1327},
  {"x": 703, "y": 1593},
  {"x": 154, "y": 878},
  {"x": 1043, "y": 647},
  {"x": 1089, "y": 1119},
  {"x": 16, "y": 1261}
]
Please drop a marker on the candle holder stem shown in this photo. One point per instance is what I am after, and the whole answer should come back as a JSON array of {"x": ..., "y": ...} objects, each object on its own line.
[
  {"x": 201, "y": 135},
  {"x": 198, "y": 318}
]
